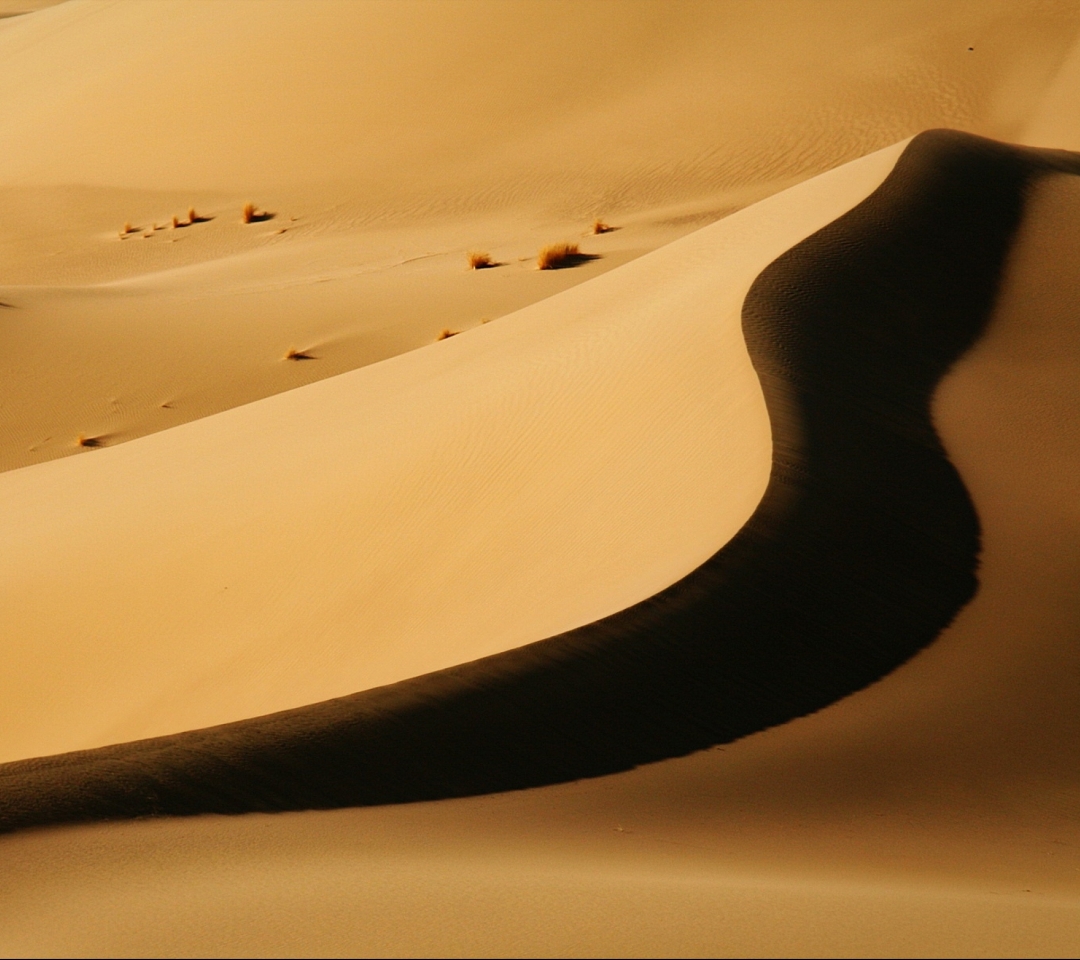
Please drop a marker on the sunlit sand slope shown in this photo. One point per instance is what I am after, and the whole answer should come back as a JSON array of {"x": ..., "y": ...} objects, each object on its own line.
[{"x": 460, "y": 500}]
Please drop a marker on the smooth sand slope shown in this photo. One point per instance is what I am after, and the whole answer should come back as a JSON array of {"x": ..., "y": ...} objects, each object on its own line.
[
  {"x": 388, "y": 139},
  {"x": 552, "y": 467},
  {"x": 453, "y": 502}
]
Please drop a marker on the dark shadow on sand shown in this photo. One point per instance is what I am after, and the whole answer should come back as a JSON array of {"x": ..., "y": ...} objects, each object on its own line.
[
  {"x": 862, "y": 550},
  {"x": 571, "y": 260}
]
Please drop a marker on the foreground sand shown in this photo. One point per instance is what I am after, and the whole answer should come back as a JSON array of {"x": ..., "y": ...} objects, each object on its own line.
[{"x": 930, "y": 813}]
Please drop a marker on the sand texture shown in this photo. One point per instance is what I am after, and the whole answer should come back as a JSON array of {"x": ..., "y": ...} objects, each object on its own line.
[{"x": 713, "y": 595}]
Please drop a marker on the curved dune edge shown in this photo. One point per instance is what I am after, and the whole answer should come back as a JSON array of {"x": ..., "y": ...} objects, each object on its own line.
[
  {"x": 862, "y": 550},
  {"x": 447, "y": 505}
]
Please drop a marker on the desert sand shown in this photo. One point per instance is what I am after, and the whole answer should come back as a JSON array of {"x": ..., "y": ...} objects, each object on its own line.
[{"x": 238, "y": 534}]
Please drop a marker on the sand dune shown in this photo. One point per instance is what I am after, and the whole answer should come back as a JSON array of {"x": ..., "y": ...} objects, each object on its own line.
[
  {"x": 422, "y": 94},
  {"x": 383, "y": 506},
  {"x": 932, "y": 800},
  {"x": 876, "y": 485},
  {"x": 863, "y": 548}
]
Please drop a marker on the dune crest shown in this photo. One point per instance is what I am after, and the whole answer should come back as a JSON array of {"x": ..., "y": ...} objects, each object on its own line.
[{"x": 398, "y": 492}]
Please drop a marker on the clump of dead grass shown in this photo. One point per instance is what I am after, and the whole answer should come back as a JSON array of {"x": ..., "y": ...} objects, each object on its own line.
[
  {"x": 126, "y": 230},
  {"x": 599, "y": 227},
  {"x": 446, "y": 333},
  {"x": 559, "y": 255},
  {"x": 293, "y": 354},
  {"x": 83, "y": 440},
  {"x": 479, "y": 260},
  {"x": 252, "y": 214}
]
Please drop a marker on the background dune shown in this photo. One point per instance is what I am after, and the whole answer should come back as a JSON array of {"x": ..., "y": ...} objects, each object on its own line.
[{"x": 389, "y": 138}]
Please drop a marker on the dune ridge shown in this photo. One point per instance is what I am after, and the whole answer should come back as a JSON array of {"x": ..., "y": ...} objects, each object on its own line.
[
  {"x": 536, "y": 475},
  {"x": 863, "y": 549}
]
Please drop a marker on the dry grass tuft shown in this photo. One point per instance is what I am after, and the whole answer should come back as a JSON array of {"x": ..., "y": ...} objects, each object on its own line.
[
  {"x": 480, "y": 261},
  {"x": 252, "y": 214},
  {"x": 293, "y": 354},
  {"x": 192, "y": 216},
  {"x": 560, "y": 255},
  {"x": 446, "y": 334},
  {"x": 84, "y": 441},
  {"x": 125, "y": 230},
  {"x": 175, "y": 222},
  {"x": 599, "y": 227}
]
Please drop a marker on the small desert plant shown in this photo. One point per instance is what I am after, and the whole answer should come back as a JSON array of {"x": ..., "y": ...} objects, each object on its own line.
[
  {"x": 293, "y": 354},
  {"x": 84, "y": 441},
  {"x": 447, "y": 333},
  {"x": 175, "y": 222},
  {"x": 480, "y": 261},
  {"x": 599, "y": 227},
  {"x": 192, "y": 216},
  {"x": 252, "y": 214},
  {"x": 558, "y": 255},
  {"x": 126, "y": 229}
]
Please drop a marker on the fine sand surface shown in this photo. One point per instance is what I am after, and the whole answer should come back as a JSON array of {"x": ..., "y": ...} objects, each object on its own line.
[
  {"x": 388, "y": 139},
  {"x": 602, "y": 438}
]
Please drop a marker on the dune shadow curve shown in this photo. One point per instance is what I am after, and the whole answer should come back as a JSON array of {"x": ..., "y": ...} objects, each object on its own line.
[{"x": 863, "y": 548}]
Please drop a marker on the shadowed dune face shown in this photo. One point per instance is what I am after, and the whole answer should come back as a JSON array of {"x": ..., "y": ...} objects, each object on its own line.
[{"x": 863, "y": 549}]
